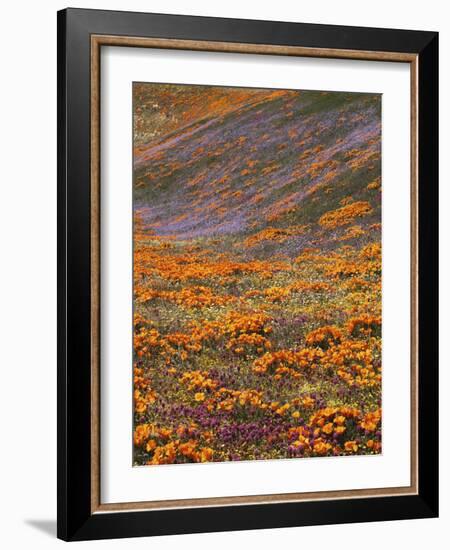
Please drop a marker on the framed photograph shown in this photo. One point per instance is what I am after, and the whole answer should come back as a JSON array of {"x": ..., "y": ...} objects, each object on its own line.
[{"x": 247, "y": 253}]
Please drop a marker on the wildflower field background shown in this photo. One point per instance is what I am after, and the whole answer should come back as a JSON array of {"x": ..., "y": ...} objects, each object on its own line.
[{"x": 257, "y": 274}]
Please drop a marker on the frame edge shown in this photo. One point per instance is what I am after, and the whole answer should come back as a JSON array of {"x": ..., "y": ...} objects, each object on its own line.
[{"x": 75, "y": 523}]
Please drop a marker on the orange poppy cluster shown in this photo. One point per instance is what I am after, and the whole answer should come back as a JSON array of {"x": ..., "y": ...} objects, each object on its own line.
[
  {"x": 273, "y": 234},
  {"x": 167, "y": 445},
  {"x": 345, "y": 215}
]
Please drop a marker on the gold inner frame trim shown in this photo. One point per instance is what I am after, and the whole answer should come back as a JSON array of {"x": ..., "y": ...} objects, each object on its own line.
[{"x": 97, "y": 41}]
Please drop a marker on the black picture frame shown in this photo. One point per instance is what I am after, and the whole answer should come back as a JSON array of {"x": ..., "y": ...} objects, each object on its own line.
[{"x": 75, "y": 518}]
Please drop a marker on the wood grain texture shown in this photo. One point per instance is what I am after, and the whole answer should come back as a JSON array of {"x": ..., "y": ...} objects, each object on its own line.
[{"x": 263, "y": 49}]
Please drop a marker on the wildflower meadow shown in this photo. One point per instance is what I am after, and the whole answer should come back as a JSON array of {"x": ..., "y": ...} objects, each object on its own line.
[{"x": 257, "y": 274}]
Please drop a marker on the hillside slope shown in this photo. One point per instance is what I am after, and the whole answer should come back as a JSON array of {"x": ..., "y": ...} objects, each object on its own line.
[
  {"x": 283, "y": 161},
  {"x": 257, "y": 275}
]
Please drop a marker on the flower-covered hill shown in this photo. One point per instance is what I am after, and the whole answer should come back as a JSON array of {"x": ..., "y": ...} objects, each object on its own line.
[
  {"x": 257, "y": 274},
  {"x": 278, "y": 160}
]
